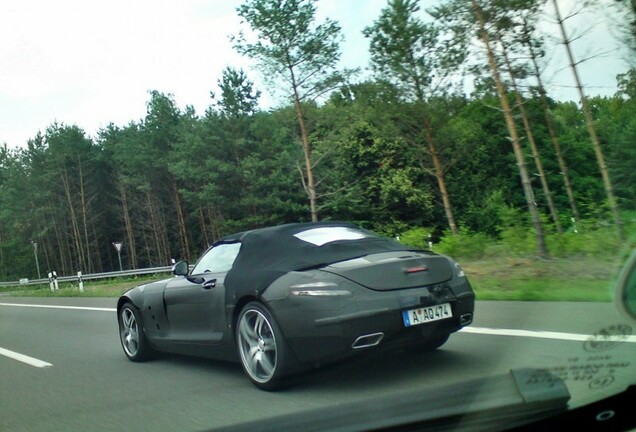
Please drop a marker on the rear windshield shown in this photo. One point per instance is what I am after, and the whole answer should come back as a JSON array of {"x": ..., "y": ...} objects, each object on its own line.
[{"x": 324, "y": 235}]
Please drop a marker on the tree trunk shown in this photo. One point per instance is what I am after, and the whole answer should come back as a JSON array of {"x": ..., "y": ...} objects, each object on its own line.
[
  {"x": 63, "y": 250},
  {"x": 214, "y": 224},
  {"x": 439, "y": 174},
  {"x": 432, "y": 148},
  {"x": 304, "y": 136},
  {"x": 533, "y": 145},
  {"x": 130, "y": 238},
  {"x": 3, "y": 265},
  {"x": 589, "y": 122},
  {"x": 204, "y": 229},
  {"x": 551, "y": 130},
  {"x": 77, "y": 238},
  {"x": 98, "y": 263},
  {"x": 47, "y": 251},
  {"x": 514, "y": 136},
  {"x": 183, "y": 232},
  {"x": 84, "y": 210},
  {"x": 154, "y": 223}
]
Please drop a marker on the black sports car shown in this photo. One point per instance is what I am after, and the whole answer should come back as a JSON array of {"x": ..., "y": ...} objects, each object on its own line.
[{"x": 285, "y": 298}]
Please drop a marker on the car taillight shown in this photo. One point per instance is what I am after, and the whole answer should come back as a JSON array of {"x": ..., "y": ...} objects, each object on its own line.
[{"x": 318, "y": 289}]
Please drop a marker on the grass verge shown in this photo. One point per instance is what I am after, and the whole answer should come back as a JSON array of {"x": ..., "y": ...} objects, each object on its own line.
[
  {"x": 571, "y": 279},
  {"x": 94, "y": 288}
]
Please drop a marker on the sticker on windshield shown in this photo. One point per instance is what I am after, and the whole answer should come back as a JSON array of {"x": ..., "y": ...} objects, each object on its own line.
[
  {"x": 324, "y": 235},
  {"x": 598, "y": 367}
]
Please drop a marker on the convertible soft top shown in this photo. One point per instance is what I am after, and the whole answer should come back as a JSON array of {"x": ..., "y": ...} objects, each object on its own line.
[{"x": 268, "y": 253}]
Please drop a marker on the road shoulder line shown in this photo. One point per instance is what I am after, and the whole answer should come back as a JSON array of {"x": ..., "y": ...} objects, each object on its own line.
[
  {"x": 97, "y": 309},
  {"x": 543, "y": 334}
]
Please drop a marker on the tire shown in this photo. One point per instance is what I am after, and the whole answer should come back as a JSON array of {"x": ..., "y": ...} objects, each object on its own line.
[
  {"x": 131, "y": 334},
  {"x": 262, "y": 348}
]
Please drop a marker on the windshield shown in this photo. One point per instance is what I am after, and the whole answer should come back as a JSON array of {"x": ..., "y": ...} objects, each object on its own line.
[
  {"x": 429, "y": 149},
  {"x": 218, "y": 259}
]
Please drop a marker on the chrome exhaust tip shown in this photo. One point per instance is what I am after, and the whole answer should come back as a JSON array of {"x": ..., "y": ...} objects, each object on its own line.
[
  {"x": 367, "y": 341},
  {"x": 465, "y": 319}
]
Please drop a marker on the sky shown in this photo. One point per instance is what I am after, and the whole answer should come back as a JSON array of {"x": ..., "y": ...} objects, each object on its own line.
[{"x": 91, "y": 63}]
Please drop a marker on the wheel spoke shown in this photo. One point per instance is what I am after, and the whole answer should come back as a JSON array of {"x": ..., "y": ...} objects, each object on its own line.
[
  {"x": 254, "y": 358},
  {"x": 247, "y": 332},
  {"x": 258, "y": 325},
  {"x": 267, "y": 365},
  {"x": 128, "y": 319},
  {"x": 131, "y": 344}
]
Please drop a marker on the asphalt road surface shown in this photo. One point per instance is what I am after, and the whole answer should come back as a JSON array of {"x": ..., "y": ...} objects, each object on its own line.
[{"x": 62, "y": 367}]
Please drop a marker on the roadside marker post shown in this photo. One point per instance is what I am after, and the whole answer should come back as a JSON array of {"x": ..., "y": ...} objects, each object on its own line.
[
  {"x": 81, "y": 282},
  {"x": 51, "y": 282},
  {"x": 55, "y": 284},
  {"x": 117, "y": 245}
]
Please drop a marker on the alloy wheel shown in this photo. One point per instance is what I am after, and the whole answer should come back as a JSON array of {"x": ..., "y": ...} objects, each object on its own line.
[
  {"x": 130, "y": 332},
  {"x": 257, "y": 345}
]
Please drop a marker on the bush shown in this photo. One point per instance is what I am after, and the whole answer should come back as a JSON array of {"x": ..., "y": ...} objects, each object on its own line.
[
  {"x": 416, "y": 237},
  {"x": 463, "y": 245},
  {"x": 593, "y": 238},
  {"x": 586, "y": 242},
  {"x": 515, "y": 241}
]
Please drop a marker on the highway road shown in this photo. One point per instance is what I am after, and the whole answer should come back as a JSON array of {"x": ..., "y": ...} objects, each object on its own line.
[{"x": 62, "y": 367}]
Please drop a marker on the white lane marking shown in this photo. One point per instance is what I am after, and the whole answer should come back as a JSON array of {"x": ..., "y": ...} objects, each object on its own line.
[
  {"x": 98, "y": 309},
  {"x": 544, "y": 334},
  {"x": 477, "y": 330},
  {"x": 24, "y": 358}
]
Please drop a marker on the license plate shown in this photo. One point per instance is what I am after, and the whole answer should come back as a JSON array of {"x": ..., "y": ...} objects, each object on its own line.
[{"x": 426, "y": 314}]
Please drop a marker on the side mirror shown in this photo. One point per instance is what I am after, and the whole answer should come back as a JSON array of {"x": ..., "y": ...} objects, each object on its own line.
[
  {"x": 626, "y": 289},
  {"x": 181, "y": 268}
]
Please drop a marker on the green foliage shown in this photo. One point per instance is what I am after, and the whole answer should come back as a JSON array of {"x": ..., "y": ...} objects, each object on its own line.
[
  {"x": 411, "y": 52},
  {"x": 171, "y": 183},
  {"x": 416, "y": 237},
  {"x": 593, "y": 238},
  {"x": 463, "y": 245},
  {"x": 289, "y": 46},
  {"x": 239, "y": 171},
  {"x": 238, "y": 96}
]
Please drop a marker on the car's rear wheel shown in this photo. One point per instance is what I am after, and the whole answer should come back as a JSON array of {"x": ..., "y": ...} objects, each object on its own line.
[
  {"x": 131, "y": 334},
  {"x": 262, "y": 347}
]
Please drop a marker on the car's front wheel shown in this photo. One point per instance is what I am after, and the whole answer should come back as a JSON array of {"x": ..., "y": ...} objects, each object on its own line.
[
  {"x": 131, "y": 334},
  {"x": 262, "y": 347}
]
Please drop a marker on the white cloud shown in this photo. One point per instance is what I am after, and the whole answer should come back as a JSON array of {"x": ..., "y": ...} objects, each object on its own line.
[{"x": 92, "y": 62}]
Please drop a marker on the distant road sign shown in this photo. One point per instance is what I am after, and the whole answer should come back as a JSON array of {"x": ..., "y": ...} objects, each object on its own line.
[{"x": 117, "y": 246}]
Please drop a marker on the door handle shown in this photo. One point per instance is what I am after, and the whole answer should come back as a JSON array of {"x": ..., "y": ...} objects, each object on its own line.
[{"x": 209, "y": 284}]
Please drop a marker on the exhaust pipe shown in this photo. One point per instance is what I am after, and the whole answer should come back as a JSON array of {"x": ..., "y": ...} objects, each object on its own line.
[
  {"x": 466, "y": 319},
  {"x": 367, "y": 341}
]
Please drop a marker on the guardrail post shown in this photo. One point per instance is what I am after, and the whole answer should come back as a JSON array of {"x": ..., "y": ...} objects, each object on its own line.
[
  {"x": 81, "y": 283},
  {"x": 51, "y": 282},
  {"x": 57, "y": 288}
]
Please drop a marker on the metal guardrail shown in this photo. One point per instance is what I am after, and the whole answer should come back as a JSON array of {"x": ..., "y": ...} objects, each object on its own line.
[{"x": 107, "y": 275}]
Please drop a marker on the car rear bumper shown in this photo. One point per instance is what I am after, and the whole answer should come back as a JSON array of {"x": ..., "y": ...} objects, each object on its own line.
[{"x": 321, "y": 330}]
